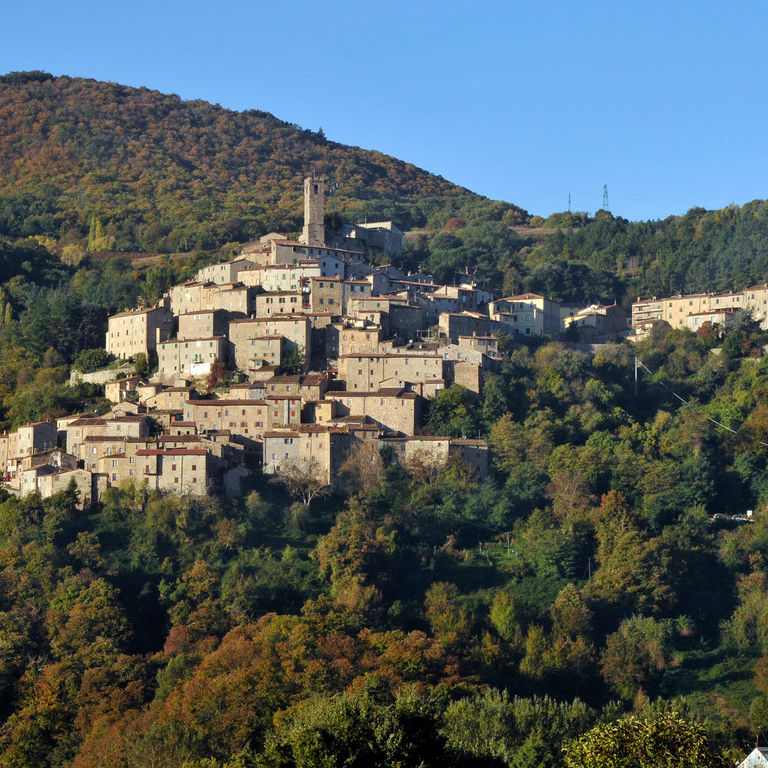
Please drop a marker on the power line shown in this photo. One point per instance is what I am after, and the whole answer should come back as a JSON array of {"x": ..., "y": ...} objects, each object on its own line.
[{"x": 686, "y": 402}]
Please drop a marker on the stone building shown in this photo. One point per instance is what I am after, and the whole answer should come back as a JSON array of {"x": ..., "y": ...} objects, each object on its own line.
[
  {"x": 176, "y": 470},
  {"x": 191, "y": 357},
  {"x": 313, "y": 232},
  {"x": 223, "y": 273},
  {"x": 204, "y": 324},
  {"x": 454, "y": 325},
  {"x": 396, "y": 409},
  {"x": 367, "y": 373},
  {"x": 527, "y": 314},
  {"x": 138, "y": 331},
  {"x": 331, "y": 294},
  {"x": 597, "y": 323},
  {"x": 279, "y": 302},
  {"x": 282, "y": 277},
  {"x": 247, "y": 418},
  {"x": 295, "y": 330},
  {"x": 116, "y": 391}
]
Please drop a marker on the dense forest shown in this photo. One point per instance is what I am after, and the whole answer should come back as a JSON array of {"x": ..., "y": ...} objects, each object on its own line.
[{"x": 593, "y": 595}]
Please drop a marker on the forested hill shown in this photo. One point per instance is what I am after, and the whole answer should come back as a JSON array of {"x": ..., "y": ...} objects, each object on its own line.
[
  {"x": 89, "y": 166},
  {"x": 164, "y": 174}
]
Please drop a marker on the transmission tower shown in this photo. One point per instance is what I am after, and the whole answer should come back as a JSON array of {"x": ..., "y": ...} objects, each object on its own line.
[
  {"x": 569, "y": 202},
  {"x": 606, "y": 207}
]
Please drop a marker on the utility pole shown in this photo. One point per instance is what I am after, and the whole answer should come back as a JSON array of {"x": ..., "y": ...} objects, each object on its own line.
[{"x": 636, "y": 367}]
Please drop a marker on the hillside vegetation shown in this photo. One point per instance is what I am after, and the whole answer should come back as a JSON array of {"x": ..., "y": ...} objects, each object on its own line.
[
  {"x": 87, "y": 166},
  {"x": 162, "y": 174}
]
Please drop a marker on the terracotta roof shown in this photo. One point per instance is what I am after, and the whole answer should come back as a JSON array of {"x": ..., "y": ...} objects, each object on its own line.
[
  {"x": 171, "y": 452},
  {"x": 391, "y": 354},
  {"x": 136, "y": 312},
  {"x": 398, "y": 392},
  {"x": 270, "y": 318},
  {"x": 87, "y": 422},
  {"x": 224, "y": 403},
  {"x": 198, "y": 338},
  {"x": 523, "y": 296},
  {"x": 200, "y": 312}
]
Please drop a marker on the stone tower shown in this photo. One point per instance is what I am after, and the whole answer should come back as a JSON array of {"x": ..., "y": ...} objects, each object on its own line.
[{"x": 314, "y": 211}]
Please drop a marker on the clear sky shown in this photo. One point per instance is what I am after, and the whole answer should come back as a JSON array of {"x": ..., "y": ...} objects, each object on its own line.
[{"x": 665, "y": 102}]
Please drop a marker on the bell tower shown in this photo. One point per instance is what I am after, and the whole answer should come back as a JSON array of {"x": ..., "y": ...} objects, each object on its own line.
[{"x": 314, "y": 212}]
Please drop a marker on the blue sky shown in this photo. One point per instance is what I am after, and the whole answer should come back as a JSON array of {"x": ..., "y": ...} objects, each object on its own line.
[{"x": 526, "y": 102}]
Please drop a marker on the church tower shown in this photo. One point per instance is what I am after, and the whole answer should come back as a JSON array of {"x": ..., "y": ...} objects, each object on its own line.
[{"x": 314, "y": 212}]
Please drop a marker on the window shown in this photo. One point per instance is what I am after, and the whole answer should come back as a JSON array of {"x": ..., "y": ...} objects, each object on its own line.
[
  {"x": 114, "y": 462},
  {"x": 132, "y": 460},
  {"x": 173, "y": 467}
]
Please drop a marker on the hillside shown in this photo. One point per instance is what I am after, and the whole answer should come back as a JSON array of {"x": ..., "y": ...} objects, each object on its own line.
[
  {"x": 87, "y": 166},
  {"x": 156, "y": 173}
]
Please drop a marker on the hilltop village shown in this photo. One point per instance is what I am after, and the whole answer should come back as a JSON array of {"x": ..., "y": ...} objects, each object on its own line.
[{"x": 328, "y": 358}]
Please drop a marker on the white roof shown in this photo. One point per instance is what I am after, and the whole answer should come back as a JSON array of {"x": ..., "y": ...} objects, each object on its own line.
[{"x": 758, "y": 758}]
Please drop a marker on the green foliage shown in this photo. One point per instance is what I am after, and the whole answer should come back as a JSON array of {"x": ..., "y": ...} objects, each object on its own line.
[
  {"x": 514, "y": 731},
  {"x": 91, "y": 360},
  {"x": 666, "y": 738}
]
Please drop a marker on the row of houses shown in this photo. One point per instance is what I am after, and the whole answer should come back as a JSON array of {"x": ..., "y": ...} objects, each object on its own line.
[{"x": 692, "y": 311}]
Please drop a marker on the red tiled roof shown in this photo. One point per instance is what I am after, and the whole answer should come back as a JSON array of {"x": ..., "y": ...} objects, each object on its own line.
[{"x": 171, "y": 452}]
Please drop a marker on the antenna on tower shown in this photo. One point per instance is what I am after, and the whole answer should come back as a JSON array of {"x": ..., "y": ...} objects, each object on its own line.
[
  {"x": 569, "y": 202},
  {"x": 606, "y": 207}
]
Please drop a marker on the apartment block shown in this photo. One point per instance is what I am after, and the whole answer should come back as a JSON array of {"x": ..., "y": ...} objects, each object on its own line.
[{"x": 676, "y": 309}]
